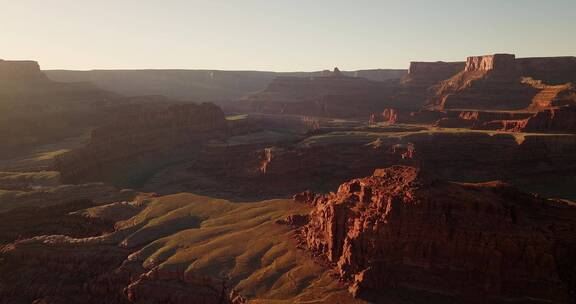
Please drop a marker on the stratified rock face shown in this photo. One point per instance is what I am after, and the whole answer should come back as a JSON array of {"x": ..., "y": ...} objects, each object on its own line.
[
  {"x": 143, "y": 132},
  {"x": 497, "y": 62},
  {"x": 503, "y": 82},
  {"x": 330, "y": 95},
  {"x": 479, "y": 242},
  {"x": 555, "y": 120}
]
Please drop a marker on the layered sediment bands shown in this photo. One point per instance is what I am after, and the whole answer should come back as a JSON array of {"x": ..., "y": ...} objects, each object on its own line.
[
  {"x": 334, "y": 95},
  {"x": 498, "y": 62},
  {"x": 501, "y": 81},
  {"x": 326, "y": 160},
  {"x": 553, "y": 95},
  {"x": 555, "y": 120},
  {"x": 147, "y": 131},
  {"x": 475, "y": 242}
]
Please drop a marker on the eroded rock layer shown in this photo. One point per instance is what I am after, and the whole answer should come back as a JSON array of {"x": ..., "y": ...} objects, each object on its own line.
[
  {"x": 554, "y": 120},
  {"x": 503, "y": 82},
  {"x": 478, "y": 242}
]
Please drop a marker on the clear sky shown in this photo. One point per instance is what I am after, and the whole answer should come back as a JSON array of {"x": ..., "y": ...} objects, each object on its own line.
[{"x": 279, "y": 35}]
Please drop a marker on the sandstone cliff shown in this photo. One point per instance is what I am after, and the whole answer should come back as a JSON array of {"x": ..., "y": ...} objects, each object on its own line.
[
  {"x": 503, "y": 82},
  {"x": 477, "y": 242}
]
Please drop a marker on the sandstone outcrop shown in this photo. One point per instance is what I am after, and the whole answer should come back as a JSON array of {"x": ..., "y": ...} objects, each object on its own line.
[
  {"x": 400, "y": 228},
  {"x": 503, "y": 63}
]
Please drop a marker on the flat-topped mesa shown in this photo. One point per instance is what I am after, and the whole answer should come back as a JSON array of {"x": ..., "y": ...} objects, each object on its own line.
[
  {"x": 496, "y": 62},
  {"x": 432, "y": 72},
  {"x": 556, "y": 120},
  {"x": 550, "y": 70},
  {"x": 403, "y": 230},
  {"x": 11, "y": 71}
]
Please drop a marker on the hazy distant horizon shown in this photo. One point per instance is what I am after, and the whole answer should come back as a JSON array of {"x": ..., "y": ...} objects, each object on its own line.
[{"x": 256, "y": 35}]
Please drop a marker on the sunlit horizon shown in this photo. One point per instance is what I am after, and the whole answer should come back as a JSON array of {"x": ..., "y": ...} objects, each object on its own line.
[{"x": 282, "y": 37}]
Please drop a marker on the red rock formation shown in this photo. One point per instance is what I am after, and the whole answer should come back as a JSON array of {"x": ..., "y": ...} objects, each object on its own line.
[
  {"x": 388, "y": 115},
  {"x": 501, "y": 81},
  {"x": 479, "y": 242}
]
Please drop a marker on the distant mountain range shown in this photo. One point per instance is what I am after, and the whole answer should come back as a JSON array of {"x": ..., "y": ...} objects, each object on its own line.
[{"x": 195, "y": 85}]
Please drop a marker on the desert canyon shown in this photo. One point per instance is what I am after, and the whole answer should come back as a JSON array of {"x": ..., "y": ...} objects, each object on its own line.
[{"x": 448, "y": 182}]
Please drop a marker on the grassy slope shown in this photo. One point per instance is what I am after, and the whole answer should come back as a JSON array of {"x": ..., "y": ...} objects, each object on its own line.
[{"x": 239, "y": 242}]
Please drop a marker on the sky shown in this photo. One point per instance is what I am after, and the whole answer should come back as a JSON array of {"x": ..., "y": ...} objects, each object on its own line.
[{"x": 286, "y": 35}]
